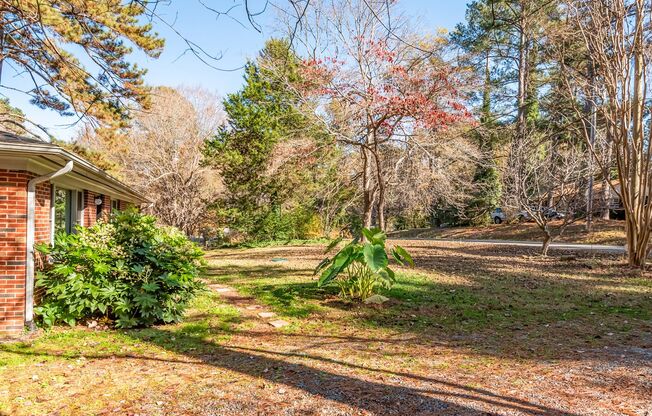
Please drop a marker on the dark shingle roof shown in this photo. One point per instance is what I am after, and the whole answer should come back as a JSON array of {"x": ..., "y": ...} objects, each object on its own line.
[{"x": 6, "y": 137}]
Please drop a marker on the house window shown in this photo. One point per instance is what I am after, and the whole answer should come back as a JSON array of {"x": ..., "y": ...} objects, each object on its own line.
[
  {"x": 80, "y": 208},
  {"x": 68, "y": 210},
  {"x": 115, "y": 205},
  {"x": 62, "y": 204}
]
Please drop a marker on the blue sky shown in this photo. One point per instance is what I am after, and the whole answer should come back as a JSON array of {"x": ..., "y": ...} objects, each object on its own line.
[{"x": 219, "y": 36}]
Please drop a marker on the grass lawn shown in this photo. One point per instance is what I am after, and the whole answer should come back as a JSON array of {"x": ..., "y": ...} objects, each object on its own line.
[
  {"x": 610, "y": 232},
  {"x": 470, "y": 331}
]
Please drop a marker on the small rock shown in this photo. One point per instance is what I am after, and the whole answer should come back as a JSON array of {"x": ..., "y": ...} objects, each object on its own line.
[
  {"x": 376, "y": 300},
  {"x": 34, "y": 377},
  {"x": 159, "y": 403},
  {"x": 253, "y": 307},
  {"x": 266, "y": 315},
  {"x": 92, "y": 324},
  {"x": 279, "y": 323},
  {"x": 281, "y": 391},
  {"x": 222, "y": 289}
]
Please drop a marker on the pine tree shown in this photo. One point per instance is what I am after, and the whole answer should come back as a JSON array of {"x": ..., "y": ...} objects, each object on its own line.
[
  {"x": 48, "y": 40},
  {"x": 262, "y": 116},
  {"x": 503, "y": 40},
  {"x": 11, "y": 118}
]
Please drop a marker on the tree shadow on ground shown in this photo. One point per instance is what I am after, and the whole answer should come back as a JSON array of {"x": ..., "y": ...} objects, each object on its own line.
[
  {"x": 428, "y": 396},
  {"x": 372, "y": 396}
]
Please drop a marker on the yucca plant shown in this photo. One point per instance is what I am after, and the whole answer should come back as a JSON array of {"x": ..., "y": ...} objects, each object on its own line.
[{"x": 360, "y": 268}]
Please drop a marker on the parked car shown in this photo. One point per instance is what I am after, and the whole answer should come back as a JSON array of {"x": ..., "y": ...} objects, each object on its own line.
[
  {"x": 549, "y": 213},
  {"x": 498, "y": 216}
]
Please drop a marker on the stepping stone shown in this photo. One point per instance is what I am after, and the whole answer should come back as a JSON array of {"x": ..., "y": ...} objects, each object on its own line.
[
  {"x": 253, "y": 307},
  {"x": 376, "y": 300},
  {"x": 223, "y": 289},
  {"x": 266, "y": 314},
  {"x": 279, "y": 323}
]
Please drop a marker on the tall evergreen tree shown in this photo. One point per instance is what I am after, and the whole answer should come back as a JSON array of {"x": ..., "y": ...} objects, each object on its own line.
[
  {"x": 48, "y": 41},
  {"x": 503, "y": 40},
  {"x": 265, "y": 151}
]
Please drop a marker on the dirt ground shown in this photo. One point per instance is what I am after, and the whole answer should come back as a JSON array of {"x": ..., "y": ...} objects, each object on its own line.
[
  {"x": 611, "y": 232},
  {"x": 470, "y": 331}
]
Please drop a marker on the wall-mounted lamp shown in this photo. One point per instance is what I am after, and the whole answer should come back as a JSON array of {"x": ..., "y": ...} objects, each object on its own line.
[{"x": 98, "y": 201}]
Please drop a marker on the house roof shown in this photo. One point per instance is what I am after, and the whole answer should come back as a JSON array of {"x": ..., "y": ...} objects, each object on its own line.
[{"x": 34, "y": 155}]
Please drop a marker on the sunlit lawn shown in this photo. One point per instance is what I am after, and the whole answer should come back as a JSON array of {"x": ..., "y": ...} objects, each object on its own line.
[
  {"x": 553, "y": 306},
  {"x": 468, "y": 331}
]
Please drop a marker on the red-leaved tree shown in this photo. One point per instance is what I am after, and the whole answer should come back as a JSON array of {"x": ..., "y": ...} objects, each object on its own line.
[{"x": 382, "y": 96}]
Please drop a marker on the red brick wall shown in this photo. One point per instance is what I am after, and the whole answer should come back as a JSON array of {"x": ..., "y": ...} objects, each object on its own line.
[
  {"x": 90, "y": 211},
  {"x": 41, "y": 226},
  {"x": 13, "y": 231},
  {"x": 42, "y": 212},
  {"x": 13, "y": 228},
  {"x": 89, "y": 208},
  {"x": 106, "y": 208}
]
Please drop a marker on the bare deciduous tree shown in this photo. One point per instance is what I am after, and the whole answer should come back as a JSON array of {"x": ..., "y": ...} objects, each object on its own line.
[
  {"x": 543, "y": 181},
  {"x": 427, "y": 170},
  {"x": 161, "y": 155},
  {"x": 616, "y": 34}
]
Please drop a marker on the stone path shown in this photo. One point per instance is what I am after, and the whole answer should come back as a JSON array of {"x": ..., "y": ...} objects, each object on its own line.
[{"x": 247, "y": 305}]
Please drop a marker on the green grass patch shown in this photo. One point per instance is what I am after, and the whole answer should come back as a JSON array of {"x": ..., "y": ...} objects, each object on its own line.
[
  {"x": 276, "y": 243},
  {"x": 208, "y": 320},
  {"x": 540, "y": 308}
]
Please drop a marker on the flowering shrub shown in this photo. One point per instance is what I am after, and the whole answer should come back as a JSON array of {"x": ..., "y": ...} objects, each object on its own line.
[{"x": 128, "y": 270}]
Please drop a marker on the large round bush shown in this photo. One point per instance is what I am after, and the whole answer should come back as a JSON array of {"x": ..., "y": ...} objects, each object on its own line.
[{"x": 128, "y": 269}]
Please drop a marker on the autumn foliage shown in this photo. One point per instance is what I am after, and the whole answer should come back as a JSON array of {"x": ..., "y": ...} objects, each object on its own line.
[{"x": 383, "y": 98}]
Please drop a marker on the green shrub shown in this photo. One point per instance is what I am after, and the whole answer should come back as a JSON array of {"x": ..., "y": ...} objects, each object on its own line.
[
  {"x": 128, "y": 270},
  {"x": 359, "y": 269}
]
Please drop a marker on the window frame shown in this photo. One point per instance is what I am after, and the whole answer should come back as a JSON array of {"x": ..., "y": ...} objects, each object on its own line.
[{"x": 74, "y": 207}]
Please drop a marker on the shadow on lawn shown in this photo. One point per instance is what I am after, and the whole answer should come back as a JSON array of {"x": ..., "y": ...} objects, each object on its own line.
[
  {"x": 432, "y": 396},
  {"x": 362, "y": 394}
]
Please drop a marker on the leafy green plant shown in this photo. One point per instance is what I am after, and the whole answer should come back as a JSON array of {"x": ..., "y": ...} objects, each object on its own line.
[
  {"x": 128, "y": 270},
  {"x": 361, "y": 268}
]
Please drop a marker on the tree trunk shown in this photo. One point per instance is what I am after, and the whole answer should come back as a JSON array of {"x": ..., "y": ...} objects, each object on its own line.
[
  {"x": 605, "y": 197},
  {"x": 638, "y": 231},
  {"x": 591, "y": 134},
  {"x": 486, "y": 91},
  {"x": 381, "y": 209},
  {"x": 380, "y": 180},
  {"x": 547, "y": 239},
  {"x": 522, "y": 80},
  {"x": 368, "y": 189}
]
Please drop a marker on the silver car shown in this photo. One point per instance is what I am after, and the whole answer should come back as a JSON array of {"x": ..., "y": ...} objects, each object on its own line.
[{"x": 498, "y": 216}]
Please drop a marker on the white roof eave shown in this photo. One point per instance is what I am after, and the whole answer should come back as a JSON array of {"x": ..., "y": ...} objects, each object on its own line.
[{"x": 81, "y": 166}]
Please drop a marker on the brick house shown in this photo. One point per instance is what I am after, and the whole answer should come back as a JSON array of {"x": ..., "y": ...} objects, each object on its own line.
[{"x": 44, "y": 189}]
